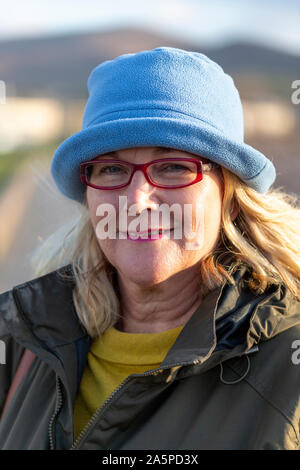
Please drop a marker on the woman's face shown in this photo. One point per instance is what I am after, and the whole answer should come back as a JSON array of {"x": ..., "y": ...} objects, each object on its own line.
[{"x": 151, "y": 262}]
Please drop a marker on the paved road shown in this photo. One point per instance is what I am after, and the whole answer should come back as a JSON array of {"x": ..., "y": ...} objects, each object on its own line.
[{"x": 31, "y": 209}]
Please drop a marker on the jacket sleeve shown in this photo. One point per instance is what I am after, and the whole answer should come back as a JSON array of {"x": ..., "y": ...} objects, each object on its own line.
[{"x": 10, "y": 352}]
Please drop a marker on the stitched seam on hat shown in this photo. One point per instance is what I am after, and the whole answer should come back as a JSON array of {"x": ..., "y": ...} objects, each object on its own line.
[
  {"x": 257, "y": 174},
  {"x": 157, "y": 117}
]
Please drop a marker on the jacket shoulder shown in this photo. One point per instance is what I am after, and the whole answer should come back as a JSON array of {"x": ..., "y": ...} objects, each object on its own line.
[
  {"x": 60, "y": 275},
  {"x": 33, "y": 301},
  {"x": 40, "y": 287}
]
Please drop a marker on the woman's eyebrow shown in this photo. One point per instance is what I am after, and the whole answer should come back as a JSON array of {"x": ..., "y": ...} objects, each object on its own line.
[{"x": 157, "y": 150}]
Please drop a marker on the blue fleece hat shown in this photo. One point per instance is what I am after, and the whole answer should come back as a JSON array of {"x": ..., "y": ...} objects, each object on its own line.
[{"x": 165, "y": 97}]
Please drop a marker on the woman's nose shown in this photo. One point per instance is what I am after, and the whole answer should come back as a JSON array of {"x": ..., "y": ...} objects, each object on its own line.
[{"x": 141, "y": 193}]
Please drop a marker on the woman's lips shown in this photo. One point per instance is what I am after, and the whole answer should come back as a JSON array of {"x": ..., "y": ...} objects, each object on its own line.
[{"x": 152, "y": 234}]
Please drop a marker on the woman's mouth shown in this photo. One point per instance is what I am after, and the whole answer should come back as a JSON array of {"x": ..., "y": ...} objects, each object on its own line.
[{"x": 150, "y": 235}]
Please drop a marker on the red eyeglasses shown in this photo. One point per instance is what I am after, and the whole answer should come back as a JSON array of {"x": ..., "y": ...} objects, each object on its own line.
[{"x": 167, "y": 173}]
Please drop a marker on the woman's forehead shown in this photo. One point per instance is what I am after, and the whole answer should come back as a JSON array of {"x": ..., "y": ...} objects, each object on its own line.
[{"x": 155, "y": 152}]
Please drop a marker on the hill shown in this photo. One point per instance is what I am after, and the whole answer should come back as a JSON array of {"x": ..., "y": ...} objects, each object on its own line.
[{"x": 58, "y": 66}]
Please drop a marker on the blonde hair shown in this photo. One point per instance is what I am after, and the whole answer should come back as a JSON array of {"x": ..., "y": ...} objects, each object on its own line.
[{"x": 264, "y": 236}]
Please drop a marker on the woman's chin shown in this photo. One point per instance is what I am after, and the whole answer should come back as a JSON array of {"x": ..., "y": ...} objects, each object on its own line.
[
  {"x": 147, "y": 265},
  {"x": 143, "y": 273}
]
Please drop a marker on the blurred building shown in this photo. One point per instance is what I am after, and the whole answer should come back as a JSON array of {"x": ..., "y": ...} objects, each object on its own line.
[
  {"x": 275, "y": 119},
  {"x": 33, "y": 121}
]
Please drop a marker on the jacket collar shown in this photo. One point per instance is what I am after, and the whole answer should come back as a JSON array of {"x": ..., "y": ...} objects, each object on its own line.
[
  {"x": 198, "y": 337},
  {"x": 40, "y": 314},
  {"x": 231, "y": 322}
]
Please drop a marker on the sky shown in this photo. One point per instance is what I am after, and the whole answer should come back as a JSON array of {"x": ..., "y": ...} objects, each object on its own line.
[{"x": 275, "y": 23}]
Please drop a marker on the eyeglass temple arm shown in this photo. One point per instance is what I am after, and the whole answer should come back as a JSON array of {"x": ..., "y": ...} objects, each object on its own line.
[{"x": 209, "y": 166}]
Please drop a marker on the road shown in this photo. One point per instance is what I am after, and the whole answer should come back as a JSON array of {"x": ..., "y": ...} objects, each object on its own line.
[{"x": 31, "y": 208}]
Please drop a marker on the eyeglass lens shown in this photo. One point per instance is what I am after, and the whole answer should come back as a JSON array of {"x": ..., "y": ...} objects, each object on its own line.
[{"x": 169, "y": 173}]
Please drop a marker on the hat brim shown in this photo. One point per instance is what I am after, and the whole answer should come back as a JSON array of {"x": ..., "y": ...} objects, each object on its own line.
[{"x": 196, "y": 137}]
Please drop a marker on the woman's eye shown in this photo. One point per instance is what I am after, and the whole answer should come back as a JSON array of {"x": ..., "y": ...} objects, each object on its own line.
[
  {"x": 110, "y": 169},
  {"x": 174, "y": 167}
]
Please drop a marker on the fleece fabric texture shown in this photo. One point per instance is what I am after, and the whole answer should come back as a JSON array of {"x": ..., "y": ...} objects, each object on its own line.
[
  {"x": 113, "y": 358},
  {"x": 162, "y": 97}
]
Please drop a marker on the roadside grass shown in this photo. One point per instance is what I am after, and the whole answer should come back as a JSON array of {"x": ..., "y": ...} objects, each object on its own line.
[{"x": 11, "y": 161}]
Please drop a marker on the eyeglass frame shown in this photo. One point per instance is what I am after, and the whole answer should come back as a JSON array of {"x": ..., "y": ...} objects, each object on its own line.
[{"x": 143, "y": 167}]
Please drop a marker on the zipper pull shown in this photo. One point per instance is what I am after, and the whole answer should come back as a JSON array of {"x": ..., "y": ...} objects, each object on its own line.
[{"x": 172, "y": 373}]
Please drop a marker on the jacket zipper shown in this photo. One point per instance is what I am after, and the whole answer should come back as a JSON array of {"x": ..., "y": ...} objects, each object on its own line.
[
  {"x": 55, "y": 414},
  {"x": 95, "y": 416},
  {"x": 173, "y": 369}
]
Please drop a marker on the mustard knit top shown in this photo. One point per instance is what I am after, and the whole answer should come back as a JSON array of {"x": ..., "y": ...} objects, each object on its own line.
[{"x": 111, "y": 359}]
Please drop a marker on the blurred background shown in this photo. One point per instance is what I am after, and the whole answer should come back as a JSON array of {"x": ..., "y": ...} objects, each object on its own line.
[{"x": 48, "y": 49}]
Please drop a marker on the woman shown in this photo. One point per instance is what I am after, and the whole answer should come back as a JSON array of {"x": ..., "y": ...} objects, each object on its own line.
[{"x": 143, "y": 338}]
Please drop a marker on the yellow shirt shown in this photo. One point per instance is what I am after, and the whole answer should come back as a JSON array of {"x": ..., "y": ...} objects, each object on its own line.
[{"x": 113, "y": 358}]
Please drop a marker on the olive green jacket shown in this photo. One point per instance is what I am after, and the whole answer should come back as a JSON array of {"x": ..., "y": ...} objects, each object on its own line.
[{"x": 230, "y": 381}]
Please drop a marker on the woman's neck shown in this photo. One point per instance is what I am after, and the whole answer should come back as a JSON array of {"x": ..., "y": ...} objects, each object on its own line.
[{"x": 160, "y": 307}]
